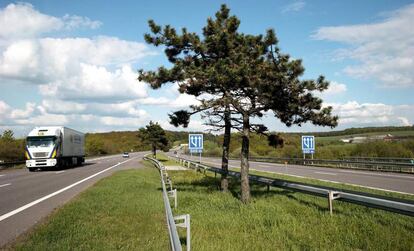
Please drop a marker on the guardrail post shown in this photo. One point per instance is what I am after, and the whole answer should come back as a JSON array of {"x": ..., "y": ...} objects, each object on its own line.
[
  {"x": 169, "y": 183},
  {"x": 185, "y": 224},
  {"x": 332, "y": 195},
  {"x": 173, "y": 193}
]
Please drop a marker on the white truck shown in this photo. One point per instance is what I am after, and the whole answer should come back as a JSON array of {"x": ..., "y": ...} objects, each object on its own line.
[{"x": 54, "y": 146}]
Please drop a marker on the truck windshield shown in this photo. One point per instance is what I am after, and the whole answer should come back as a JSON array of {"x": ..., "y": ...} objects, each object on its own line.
[{"x": 40, "y": 141}]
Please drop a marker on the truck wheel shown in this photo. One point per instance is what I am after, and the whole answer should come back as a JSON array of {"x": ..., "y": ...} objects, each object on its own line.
[{"x": 31, "y": 169}]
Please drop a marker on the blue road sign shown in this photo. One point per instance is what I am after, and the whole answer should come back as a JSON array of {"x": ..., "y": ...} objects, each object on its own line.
[
  {"x": 308, "y": 144},
  {"x": 195, "y": 142}
]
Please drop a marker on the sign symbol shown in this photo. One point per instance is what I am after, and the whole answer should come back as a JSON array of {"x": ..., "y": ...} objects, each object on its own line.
[
  {"x": 195, "y": 142},
  {"x": 308, "y": 144}
]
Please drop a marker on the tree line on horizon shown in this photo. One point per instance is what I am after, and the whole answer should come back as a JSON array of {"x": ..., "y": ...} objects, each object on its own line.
[{"x": 96, "y": 144}]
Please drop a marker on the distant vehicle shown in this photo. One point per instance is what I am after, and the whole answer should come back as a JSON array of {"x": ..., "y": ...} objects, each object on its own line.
[
  {"x": 125, "y": 155},
  {"x": 54, "y": 146}
]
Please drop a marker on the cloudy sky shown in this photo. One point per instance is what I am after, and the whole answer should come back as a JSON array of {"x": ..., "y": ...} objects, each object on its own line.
[{"x": 74, "y": 63}]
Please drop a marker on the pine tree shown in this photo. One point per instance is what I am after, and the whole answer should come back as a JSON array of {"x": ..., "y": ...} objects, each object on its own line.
[
  {"x": 154, "y": 135},
  {"x": 237, "y": 77}
]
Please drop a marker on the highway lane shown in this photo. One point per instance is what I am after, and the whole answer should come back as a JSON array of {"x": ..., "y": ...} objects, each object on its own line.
[
  {"x": 396, "y": 182},
  {"x": 30, "y": 196}
]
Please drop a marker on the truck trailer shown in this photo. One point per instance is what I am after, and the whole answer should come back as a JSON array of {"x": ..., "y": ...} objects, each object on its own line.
[{"x": 53, "y": 147}]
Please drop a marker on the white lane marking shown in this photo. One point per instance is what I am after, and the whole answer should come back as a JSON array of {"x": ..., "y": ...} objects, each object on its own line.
[
  {"x": 18, "y": 210},
  {"x": 344, "y": 171},
  {"x": 378, "y": 174},
  {"x": 4, "y": 185},
  {"x": 59, "y": 172},
  {"x": 1, "y": 175},
  {"x": 326, "y": 173},
  {"x": 336, "y": 182},
  {"x": 106, "y": 157}
]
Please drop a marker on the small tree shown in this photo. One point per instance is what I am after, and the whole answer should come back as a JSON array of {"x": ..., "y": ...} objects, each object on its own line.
[
  {"x": 8, "y": 135},
  {"x": 154, "y": 135}
]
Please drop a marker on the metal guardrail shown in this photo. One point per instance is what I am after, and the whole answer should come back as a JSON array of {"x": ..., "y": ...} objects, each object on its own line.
[
  {"x": 370, "y": 200},
  {"x": 402, "y": 167},
  {"x": 171, "y": 220},
  {"x": 381, "y": 159}
]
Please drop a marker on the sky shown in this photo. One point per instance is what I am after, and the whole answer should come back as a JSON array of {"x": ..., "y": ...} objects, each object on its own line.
[{"x": 74, "y": 63}]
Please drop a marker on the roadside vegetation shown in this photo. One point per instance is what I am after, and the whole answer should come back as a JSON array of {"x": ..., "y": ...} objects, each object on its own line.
[
  {"x": 282, "y": 219},
  {"x": 11, "y": 149},
  {"x": 121, "y": 212},
  {"x": 327, "y": 147}
]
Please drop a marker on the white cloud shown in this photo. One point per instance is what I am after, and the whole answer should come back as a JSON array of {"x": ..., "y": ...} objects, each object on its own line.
[
  {"x": 123, "y": 109},
  {"x": 404, "y": 121},
  {"x": 97, "y": 83},
  {"x": 23, "y": 113},
  {"x": 335, "y": 88},
  {"x": 76, "y": 68},
  {"x": 21, "y": 20},
  {"x": 384, "y": 49},
  {"x": 85, "y": 117},
  {"x": 67, "y": 68},
  {"x": 294, "y": 7},
  {"x": 73, "y": 22},
  {"x": 193, "y": 126},
  {"x": 42, "y": 61},
  {"x": 29, "y": 116},
  {"x": 179, "y": 101},
  {"x": 366, "y": 114}
]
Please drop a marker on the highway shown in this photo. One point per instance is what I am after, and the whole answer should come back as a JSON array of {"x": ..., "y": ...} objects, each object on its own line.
[
  {"x": 27, "y": 197},
  {"x": 394, "y": 182}
]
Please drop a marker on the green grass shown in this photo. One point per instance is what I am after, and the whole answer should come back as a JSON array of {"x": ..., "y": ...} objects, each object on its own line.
[
  {"x": 283, "y": 220},
  {"x": 331, "y": 184},
  {"x": 164, "y": 160},
  {"x": 121, "y": 212}
]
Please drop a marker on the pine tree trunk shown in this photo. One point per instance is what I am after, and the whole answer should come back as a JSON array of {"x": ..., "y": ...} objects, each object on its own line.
[
  {"x": 244, "y": 172},
  {"x": 154, "y": 151},
  {"x": 226, "y": 150}
]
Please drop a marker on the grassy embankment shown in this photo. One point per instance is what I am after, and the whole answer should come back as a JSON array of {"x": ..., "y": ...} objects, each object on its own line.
[
  {"x": 121, "y": 212},
  {"x": 281, "y": 219}
]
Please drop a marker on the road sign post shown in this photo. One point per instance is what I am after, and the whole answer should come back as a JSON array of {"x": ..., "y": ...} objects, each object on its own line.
[
  {"x": 308, "y": 146},
  {"x": 195, "y": 144}
]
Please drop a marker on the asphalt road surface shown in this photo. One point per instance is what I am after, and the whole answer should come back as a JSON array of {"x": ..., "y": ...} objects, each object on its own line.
[
  {"x": 27, "y": 197},
  {"x": 395, "y": 182}
]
